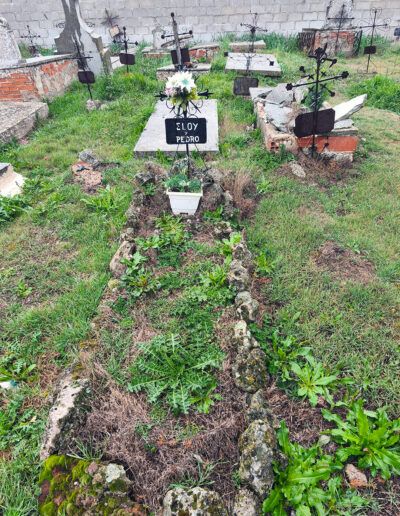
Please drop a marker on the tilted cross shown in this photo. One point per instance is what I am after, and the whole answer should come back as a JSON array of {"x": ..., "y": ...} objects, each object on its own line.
[
  {"x": 253, "y": 29},
  {"x": 318, "y": 82},
  {"x": 178, "y": 37},
  {"x": 85, "y": 76},
  {"x": 34, "y": 51},
  {"x": 340, "y": 20}
]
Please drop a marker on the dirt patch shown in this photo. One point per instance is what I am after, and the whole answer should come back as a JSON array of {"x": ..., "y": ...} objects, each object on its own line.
[
  {"x": 85, "y": 176},
  {"x": 343, "y": 263},
  {"x": 320, "y": 172}
]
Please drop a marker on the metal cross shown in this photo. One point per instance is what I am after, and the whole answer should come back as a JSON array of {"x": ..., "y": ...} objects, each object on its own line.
[
  {"x": 253, "y": 29},
  {"x": 191, "y": 109},
  {"x": 110, "y": 19},
  {"x": 126, "y": 58},
  {"x": 318, "y": 82},
  {"x": 177, "y": 41},
  {"x": 340, "y": 20},
  {"x": 33, "y": 50},
  {"x": 85, "y": 76},
  {"x": 371, "y": 49}
]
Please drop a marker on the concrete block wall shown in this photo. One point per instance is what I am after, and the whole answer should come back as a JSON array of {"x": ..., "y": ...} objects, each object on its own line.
[{"x": 209, "y": 18}]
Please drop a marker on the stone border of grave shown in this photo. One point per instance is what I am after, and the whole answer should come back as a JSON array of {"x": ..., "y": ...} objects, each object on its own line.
[{"x": 258, "y": 445}]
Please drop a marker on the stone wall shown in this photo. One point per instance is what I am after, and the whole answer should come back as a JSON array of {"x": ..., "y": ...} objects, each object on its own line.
[
  {"x": 45, "y": 79},
  {"x": 209, "y": 18}
]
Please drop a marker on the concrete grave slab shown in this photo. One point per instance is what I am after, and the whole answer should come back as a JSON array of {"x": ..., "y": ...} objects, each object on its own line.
[
  {"x": 153, "y": 137},
  {"x": 18, "y": 118},
  {"x": 165, "y": 72},
  {"x": 258, "y": 63},
  {"x": 10, "y": 181},
  {"x": 259, "y": 93},
  {"x": 245, "y": 46},
  {"x": 346, "y": 109}
]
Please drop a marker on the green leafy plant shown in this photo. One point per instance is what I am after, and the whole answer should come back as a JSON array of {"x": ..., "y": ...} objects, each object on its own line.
[
  {"x": 181, "y": 183},
  {"x": 281, "y": 353},
  {"x": 204, "y": 472},
  {"x": 214, "y": 216},
  {"x": 369, "y": 435},
  {"x": 299, "y": 484},
  {"x": 226, "y": 246},
  {"x": 11, "y": 207},
  {"x": 22, "y": 290},
  {"x": 140, "y": 281},
  {"x": 104, "y": 203},
  {"x": 265, "y": 265},
  {"x": 314, "y": 380},
  {"x": 264, "y": 185},
  {"x": 205, "y": 400},
  {"x": 18, "y": 371},
  {"x": 215, "y": 277},
  {"x": 180, "y": 371}
]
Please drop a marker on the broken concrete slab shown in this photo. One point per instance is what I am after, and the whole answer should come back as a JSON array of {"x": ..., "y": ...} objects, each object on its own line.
[
  {"x": 344, "y": 124},
  {"x": 259, "y": 94},
  {"x": 17, "y": 119},
  {"x": 153, "y": 138},
  {"x": 263, "y": 64},
  {"x": 278, "y": 115},
  {"x": 346, "y": 109},
  {"x": 10, "y": 181}
]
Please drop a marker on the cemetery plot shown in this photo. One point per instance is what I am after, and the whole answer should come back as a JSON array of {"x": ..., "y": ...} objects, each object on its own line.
[
  {"x": 262, "y": 64},
  {"x": 154, "y": 138}
]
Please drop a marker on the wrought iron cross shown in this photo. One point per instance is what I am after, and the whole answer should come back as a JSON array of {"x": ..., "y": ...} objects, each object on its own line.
[
  {"x": 371, "y": 49},
  {"x": 318, "y": 82},
  {"x": 253, "y": 29},
  {"x": 178, "y": 37},
  {"x": 85, "y": 75},
  {"x": 340, "y": 21},
  {"x": 33, "y": 50},
  {"x": 191, "y": 109},
  {"x": 125, "y": 58}
]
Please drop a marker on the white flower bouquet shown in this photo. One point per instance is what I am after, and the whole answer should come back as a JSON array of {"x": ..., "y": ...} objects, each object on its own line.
[{"x": 181, "y": 89}]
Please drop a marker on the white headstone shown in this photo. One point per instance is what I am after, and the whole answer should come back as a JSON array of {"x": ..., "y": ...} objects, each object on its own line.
[
  {"x": 77, "y": 31},
  {"x": 9, "y": 51},
  {"x": 157, "y": 32}
]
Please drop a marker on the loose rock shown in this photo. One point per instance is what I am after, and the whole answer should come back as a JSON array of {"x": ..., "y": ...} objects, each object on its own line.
[
  {"x": 258, "y": 447},
  {"x": 355, "y": 477},
  {"x": 92, "y": 105},
  {"x": 249, "y": 370},
  {"x": 238, "y": 276},
  {"x": 247, "y": 503},
  {"x": 259, "y": 409},
  {"x": 88, "y": 156},
  {"x": 222, "y": 229},
  {"x": 297, "y": 169},
  {"x": 67, "y": 414},
  {"x": 246, "y": 306},
  {"x": 241, "y": 252},
  {"x": 145, "y": 178},
  {"x": 124, "y": 251},
  {"x": 243, "y": 339},
  {"x": 193, "y": 502}
]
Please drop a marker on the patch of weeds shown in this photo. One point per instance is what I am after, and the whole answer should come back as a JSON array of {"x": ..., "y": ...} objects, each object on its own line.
[
  {"x": 88, "y": 451},
  {"x": 369, "y": 435},
  {"x": 383, "y": 92},
  {"x": 265, "y": 265},
  {"x": 300, "y": 485},
  {"x": 175, "y": 369},
  {"x": 104, "y": 203},
  {"x": 226, "y": 246},
  {"x": 204, "y": 472},
  {"x": 214, "y": 216},
  {"x": 22, "y": 290},
  {"x": 139, "y": 280},
  {"x": 11, "y": 207},
  {"x": 266, "y": 160}
]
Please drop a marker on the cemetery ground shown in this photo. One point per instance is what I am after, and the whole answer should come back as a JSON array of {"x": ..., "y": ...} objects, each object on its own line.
[{"x": 330, "y": 278}]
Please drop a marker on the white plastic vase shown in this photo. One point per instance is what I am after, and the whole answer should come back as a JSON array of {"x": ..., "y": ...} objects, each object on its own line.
[{"x": 184, "y": 202}]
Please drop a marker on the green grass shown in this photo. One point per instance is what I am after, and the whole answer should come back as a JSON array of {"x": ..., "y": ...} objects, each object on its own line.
[
  {"x": 383, "y": 92},
  {"x": 57, "y": 251}
]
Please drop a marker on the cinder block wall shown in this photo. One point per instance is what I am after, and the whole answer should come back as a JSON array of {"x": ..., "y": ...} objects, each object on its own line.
[{"x": 209, "y": 18}]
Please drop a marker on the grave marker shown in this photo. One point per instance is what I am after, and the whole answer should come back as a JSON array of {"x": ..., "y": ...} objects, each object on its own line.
[
  {"x": 373, "y": 26},
  {"x": 10, "y": 54},
  {"x": 178, "y": 55},
  {"x": 124, "y": 57},
  {"x": 311, "y": 124},
  {"x": 33, "y": 50}
]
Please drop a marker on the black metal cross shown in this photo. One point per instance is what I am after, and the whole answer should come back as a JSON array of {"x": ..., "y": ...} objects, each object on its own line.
[
  {"x": 191, "y": 109},
  {"x": 340, "y": 21},
  {"x": 33, "y": 49},
  {"x": 373, "y": 26},
  {"x": 253, "y": 29},
  {"x": 318, "y": 82},
  {"x": 85, "y": 76},
  {"x": 124, "y": 57},
  {"x": 177, "y": 38}
]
